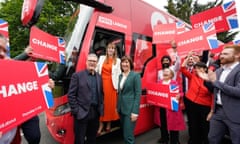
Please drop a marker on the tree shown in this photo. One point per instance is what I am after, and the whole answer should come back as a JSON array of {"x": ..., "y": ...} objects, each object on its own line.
[
  {"x": 53, "y": 19},
  {"x": 183, "y": 9}
]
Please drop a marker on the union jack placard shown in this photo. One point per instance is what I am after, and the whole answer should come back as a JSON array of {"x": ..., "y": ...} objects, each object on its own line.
[
  {"x": 46, "y": 46},
  {"x": 162, "y": 95},
  {"x": 224, "y": 17},
  {"x": 197, "y": 40},
  {"x": 25, "y": 94}
]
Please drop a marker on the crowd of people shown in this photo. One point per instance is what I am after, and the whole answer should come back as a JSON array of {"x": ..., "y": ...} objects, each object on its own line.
[
  {"x": 210, "y": 95},
  {"x": 109, "y": 90},
  {"x": 201, "y": 88}
]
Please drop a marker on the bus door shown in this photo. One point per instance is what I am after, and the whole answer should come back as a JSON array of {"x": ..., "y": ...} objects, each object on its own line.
[
  {"x": 143, "y": 54},
  {"x": 101, "y": 28}
]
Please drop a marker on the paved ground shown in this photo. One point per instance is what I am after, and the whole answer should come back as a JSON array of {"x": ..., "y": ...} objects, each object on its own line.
[{"x": 150, "y": 137}]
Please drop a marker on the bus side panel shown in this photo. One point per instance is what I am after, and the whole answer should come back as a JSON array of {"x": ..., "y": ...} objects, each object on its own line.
[{"x": 121, "y": 8}]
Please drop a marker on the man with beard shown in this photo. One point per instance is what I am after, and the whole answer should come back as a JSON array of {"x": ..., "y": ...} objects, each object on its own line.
[
  {"x": 166, "y": 62},
  {"x": 226, "y": 82}
]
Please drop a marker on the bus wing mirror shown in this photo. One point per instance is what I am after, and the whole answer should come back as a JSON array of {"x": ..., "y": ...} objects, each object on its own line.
[{"x": 95, "y": 4}]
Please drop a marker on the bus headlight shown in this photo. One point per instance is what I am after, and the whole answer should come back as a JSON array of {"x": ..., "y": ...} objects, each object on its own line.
[{"x": 62, "y": 109}]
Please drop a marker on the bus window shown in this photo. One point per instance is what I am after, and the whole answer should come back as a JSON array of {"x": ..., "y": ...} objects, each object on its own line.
[
  {"x": 141, "y": 52},
  {"x": 102, "y": 37}
]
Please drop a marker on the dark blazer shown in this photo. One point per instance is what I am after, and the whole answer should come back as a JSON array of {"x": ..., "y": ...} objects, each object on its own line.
[
  {"x": 230, "y": 93},
  {"x": 80, "y": 94},
  {"x": 129, "y": 96}
]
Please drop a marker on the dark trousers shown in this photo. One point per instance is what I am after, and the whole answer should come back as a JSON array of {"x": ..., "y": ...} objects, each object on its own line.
[
  {"x": 198, "y": 126},
  {"x": 174, "y": 135},
  {"x": 87, "y": 127},
  {"x": 127, "y": 128},
  {"x": 31, "y": 130},
  {"x": 220, "y": 125},
  {"x": 163, "y": 127}
]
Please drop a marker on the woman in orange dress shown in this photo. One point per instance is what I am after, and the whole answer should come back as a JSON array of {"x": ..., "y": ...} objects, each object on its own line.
[{"x": 109, "y": 68}]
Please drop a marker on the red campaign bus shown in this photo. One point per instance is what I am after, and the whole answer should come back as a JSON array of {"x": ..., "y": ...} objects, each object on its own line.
[{"x": 131, "y": 22}]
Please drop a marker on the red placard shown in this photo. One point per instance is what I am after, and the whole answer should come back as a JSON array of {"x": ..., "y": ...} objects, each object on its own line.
[
  {"x": 203, "y": 38},
  {"x": 163, "y": 95},
  {"x": 224, "y": 17},
  {"x": 46, "y": 46},
  {"x": 164, "y": 33},
  {"x": 23, "y": 93}
]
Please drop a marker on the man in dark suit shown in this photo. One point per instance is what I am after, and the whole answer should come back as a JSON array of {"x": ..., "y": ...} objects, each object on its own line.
[
  {"x": 226, "y": 110},
  {"x": 85, "y": 97}
]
